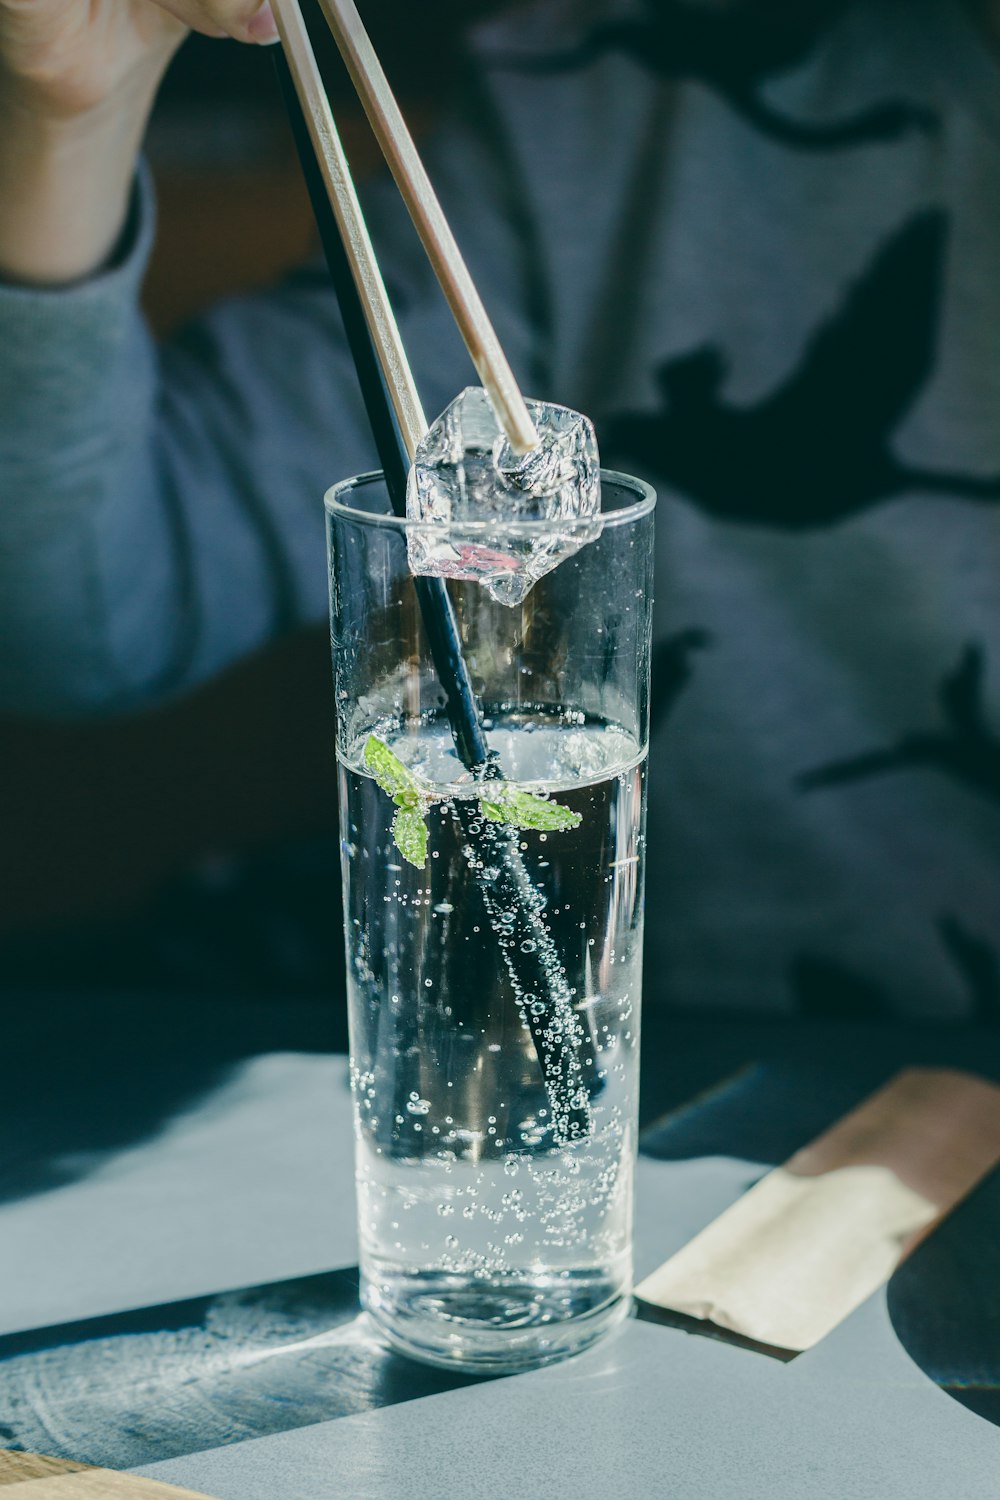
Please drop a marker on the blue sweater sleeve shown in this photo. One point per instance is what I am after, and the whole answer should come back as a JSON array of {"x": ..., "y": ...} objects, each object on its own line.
[{"x": 161, "y": 508}]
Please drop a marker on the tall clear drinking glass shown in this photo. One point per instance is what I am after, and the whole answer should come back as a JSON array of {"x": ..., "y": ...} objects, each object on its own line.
[{"x": 494, "y": 988}]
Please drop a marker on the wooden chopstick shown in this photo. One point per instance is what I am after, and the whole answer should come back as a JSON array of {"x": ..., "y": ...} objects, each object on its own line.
[
  {"x": 435, "y": 233},
  {"x": 339, "y": 185}
]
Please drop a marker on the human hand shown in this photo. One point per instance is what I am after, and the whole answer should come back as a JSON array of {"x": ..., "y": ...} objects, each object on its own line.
[
  {"x": 65, "y": 60},
  {"x": 77, "y": 82}
]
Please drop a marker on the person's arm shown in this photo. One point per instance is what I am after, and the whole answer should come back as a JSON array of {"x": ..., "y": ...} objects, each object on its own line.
[
  {"x": 77, "y": 371},
  {"x": 161, "y": 510}
]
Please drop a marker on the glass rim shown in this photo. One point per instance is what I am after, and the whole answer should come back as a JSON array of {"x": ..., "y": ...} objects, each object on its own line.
[{"x": 337, "y": 506}]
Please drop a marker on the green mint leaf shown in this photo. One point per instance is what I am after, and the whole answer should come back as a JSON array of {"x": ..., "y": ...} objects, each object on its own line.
[
  {"x": 409, "y": 831},
  {"x": 525, "y": 810},
  {"x": 506, "y": 804},
  {"x": 390, "y": 773},
  {"x": 409, "y": 826}
]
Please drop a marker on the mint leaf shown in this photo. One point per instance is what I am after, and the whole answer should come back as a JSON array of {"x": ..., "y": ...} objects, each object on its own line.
[
  {"x": 409, "y": 831},
  {"x": 409, "y": 826},
  {"x": 525, "y": 810},
  {"x": 390, "y": 773}
]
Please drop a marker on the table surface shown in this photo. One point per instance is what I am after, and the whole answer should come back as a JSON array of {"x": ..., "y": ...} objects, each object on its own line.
[{"x": 178, "y": 1294}]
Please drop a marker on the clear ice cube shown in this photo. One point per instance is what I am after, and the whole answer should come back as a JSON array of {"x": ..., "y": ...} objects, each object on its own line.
[{"x": 465, "y": 471}]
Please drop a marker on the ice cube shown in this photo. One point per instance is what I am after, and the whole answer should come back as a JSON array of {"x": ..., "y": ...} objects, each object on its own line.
[{"x": 465, "y": 471}]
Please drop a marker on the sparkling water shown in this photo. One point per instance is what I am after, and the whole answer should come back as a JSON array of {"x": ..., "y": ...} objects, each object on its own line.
[
  {"x": 488, "y": 1238},
  {"x": 465, "y": 471}
]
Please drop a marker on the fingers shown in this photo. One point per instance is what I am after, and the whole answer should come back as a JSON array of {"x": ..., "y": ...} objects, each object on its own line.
[
  {"x": 262, "y": 27},
  {"x": 244, "y": 20}
]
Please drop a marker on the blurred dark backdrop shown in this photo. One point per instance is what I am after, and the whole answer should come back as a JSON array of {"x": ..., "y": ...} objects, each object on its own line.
[{"x": 193, "y": 848}]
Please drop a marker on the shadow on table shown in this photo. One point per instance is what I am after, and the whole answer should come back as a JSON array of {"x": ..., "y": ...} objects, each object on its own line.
[
  {"x": 99, "y": 1074},
  {"x": 944, "y": 1303},
  {"x": 134, "y": 1388},
  {"x": 648, "y": 1312},
  {"x": 944, "y": 1300}
]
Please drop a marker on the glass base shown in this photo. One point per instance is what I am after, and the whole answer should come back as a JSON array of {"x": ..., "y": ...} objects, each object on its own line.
[{"x": 495, "y": 1326}]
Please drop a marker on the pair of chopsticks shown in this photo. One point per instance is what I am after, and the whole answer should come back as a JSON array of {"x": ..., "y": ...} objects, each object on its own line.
[{"x": 421, "y": 201}]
